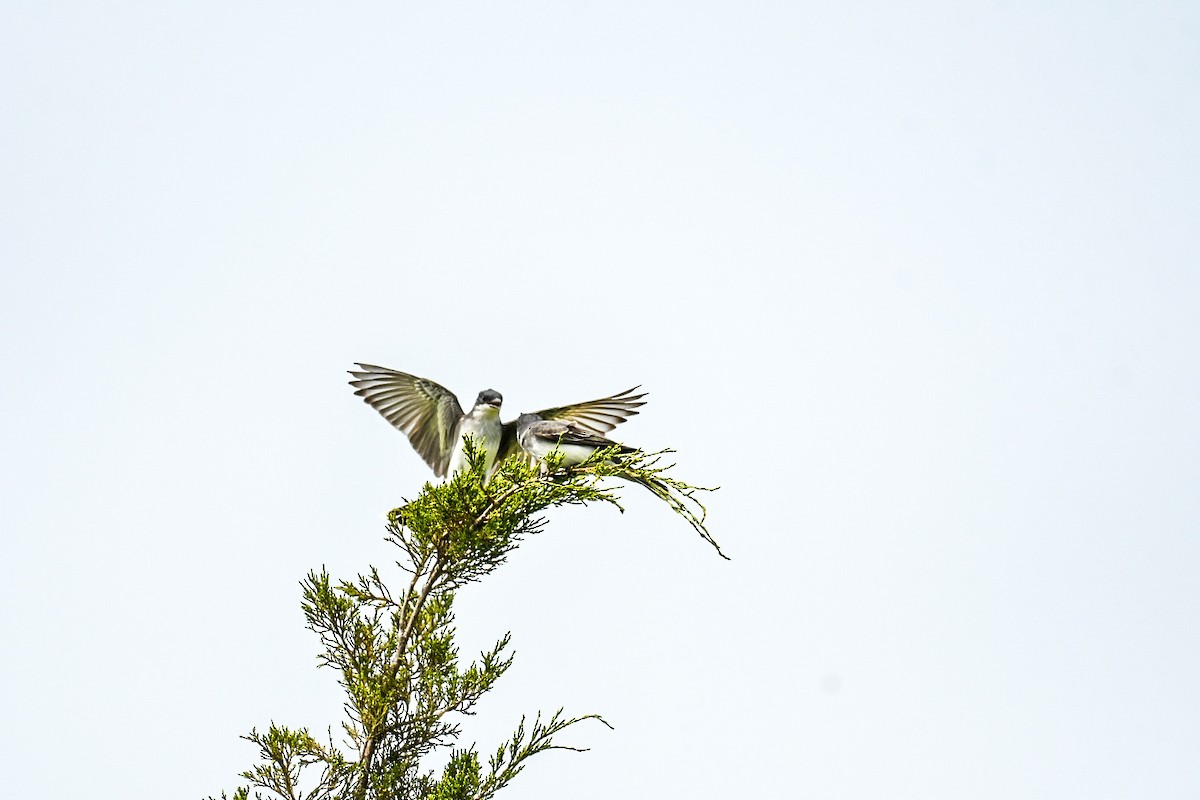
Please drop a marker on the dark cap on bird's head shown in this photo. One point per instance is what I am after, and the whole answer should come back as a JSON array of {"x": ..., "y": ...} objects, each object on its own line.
[{"x": 489, "y": 397}]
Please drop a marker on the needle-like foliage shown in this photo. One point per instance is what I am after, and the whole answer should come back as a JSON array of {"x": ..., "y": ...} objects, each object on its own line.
[{"x": 395, "y": 653}]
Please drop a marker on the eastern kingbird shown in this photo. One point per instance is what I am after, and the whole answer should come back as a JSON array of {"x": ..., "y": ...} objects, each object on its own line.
[
  {"x": 540, "y": 437},
  {"x": 430, "y": 416}
]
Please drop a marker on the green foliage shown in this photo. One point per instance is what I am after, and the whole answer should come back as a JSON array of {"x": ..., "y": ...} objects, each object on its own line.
[{"x": 395, "y": 653}]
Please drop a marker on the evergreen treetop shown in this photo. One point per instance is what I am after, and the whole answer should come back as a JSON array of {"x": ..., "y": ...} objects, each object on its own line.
[{"x": 395, "y": 652}]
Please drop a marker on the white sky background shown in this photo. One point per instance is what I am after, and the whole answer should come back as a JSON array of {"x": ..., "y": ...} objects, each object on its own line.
[{"x": 918, "y": 287}]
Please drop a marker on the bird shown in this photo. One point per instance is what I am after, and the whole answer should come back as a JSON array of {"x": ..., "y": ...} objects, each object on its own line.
[
  {"x": 539, "y": 437},
  {"x": 430, "y": 416}
]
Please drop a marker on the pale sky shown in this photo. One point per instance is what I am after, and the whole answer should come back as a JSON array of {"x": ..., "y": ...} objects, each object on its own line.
[{"x": 918, "y": 286}]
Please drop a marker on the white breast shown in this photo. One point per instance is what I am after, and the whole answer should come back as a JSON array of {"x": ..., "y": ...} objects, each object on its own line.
[
  {"x": 572, "y": 453},
  {"x": 485, "y": 429}
]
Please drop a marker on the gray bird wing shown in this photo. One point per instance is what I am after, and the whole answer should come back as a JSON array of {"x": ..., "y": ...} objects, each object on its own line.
[
  {"x": 573, "y": 433},
  {"x": 597, "y": 416},
  {"x": 426, "y": 412}
]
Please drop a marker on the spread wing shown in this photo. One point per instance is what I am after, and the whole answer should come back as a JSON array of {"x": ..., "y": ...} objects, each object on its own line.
[
  {"x": 426, "y": 412},
  {"x": 599, "y": 416},
  {"x": 595, "y": 416}
]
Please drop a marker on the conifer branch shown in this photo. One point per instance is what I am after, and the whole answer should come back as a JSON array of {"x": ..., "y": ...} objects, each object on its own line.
[{"x": 395, "y": 654}]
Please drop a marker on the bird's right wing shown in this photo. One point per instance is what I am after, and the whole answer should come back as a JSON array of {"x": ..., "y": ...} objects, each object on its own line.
[
  {"x": 597, "y": 416},
  {"x": 573, "y": 433},
  {"x": 426, "y": 412}
]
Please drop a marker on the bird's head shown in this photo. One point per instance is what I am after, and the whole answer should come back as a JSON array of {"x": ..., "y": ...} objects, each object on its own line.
[
  {"x": 525, "y": 420},
  {"x": 489, "y": 398}
]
